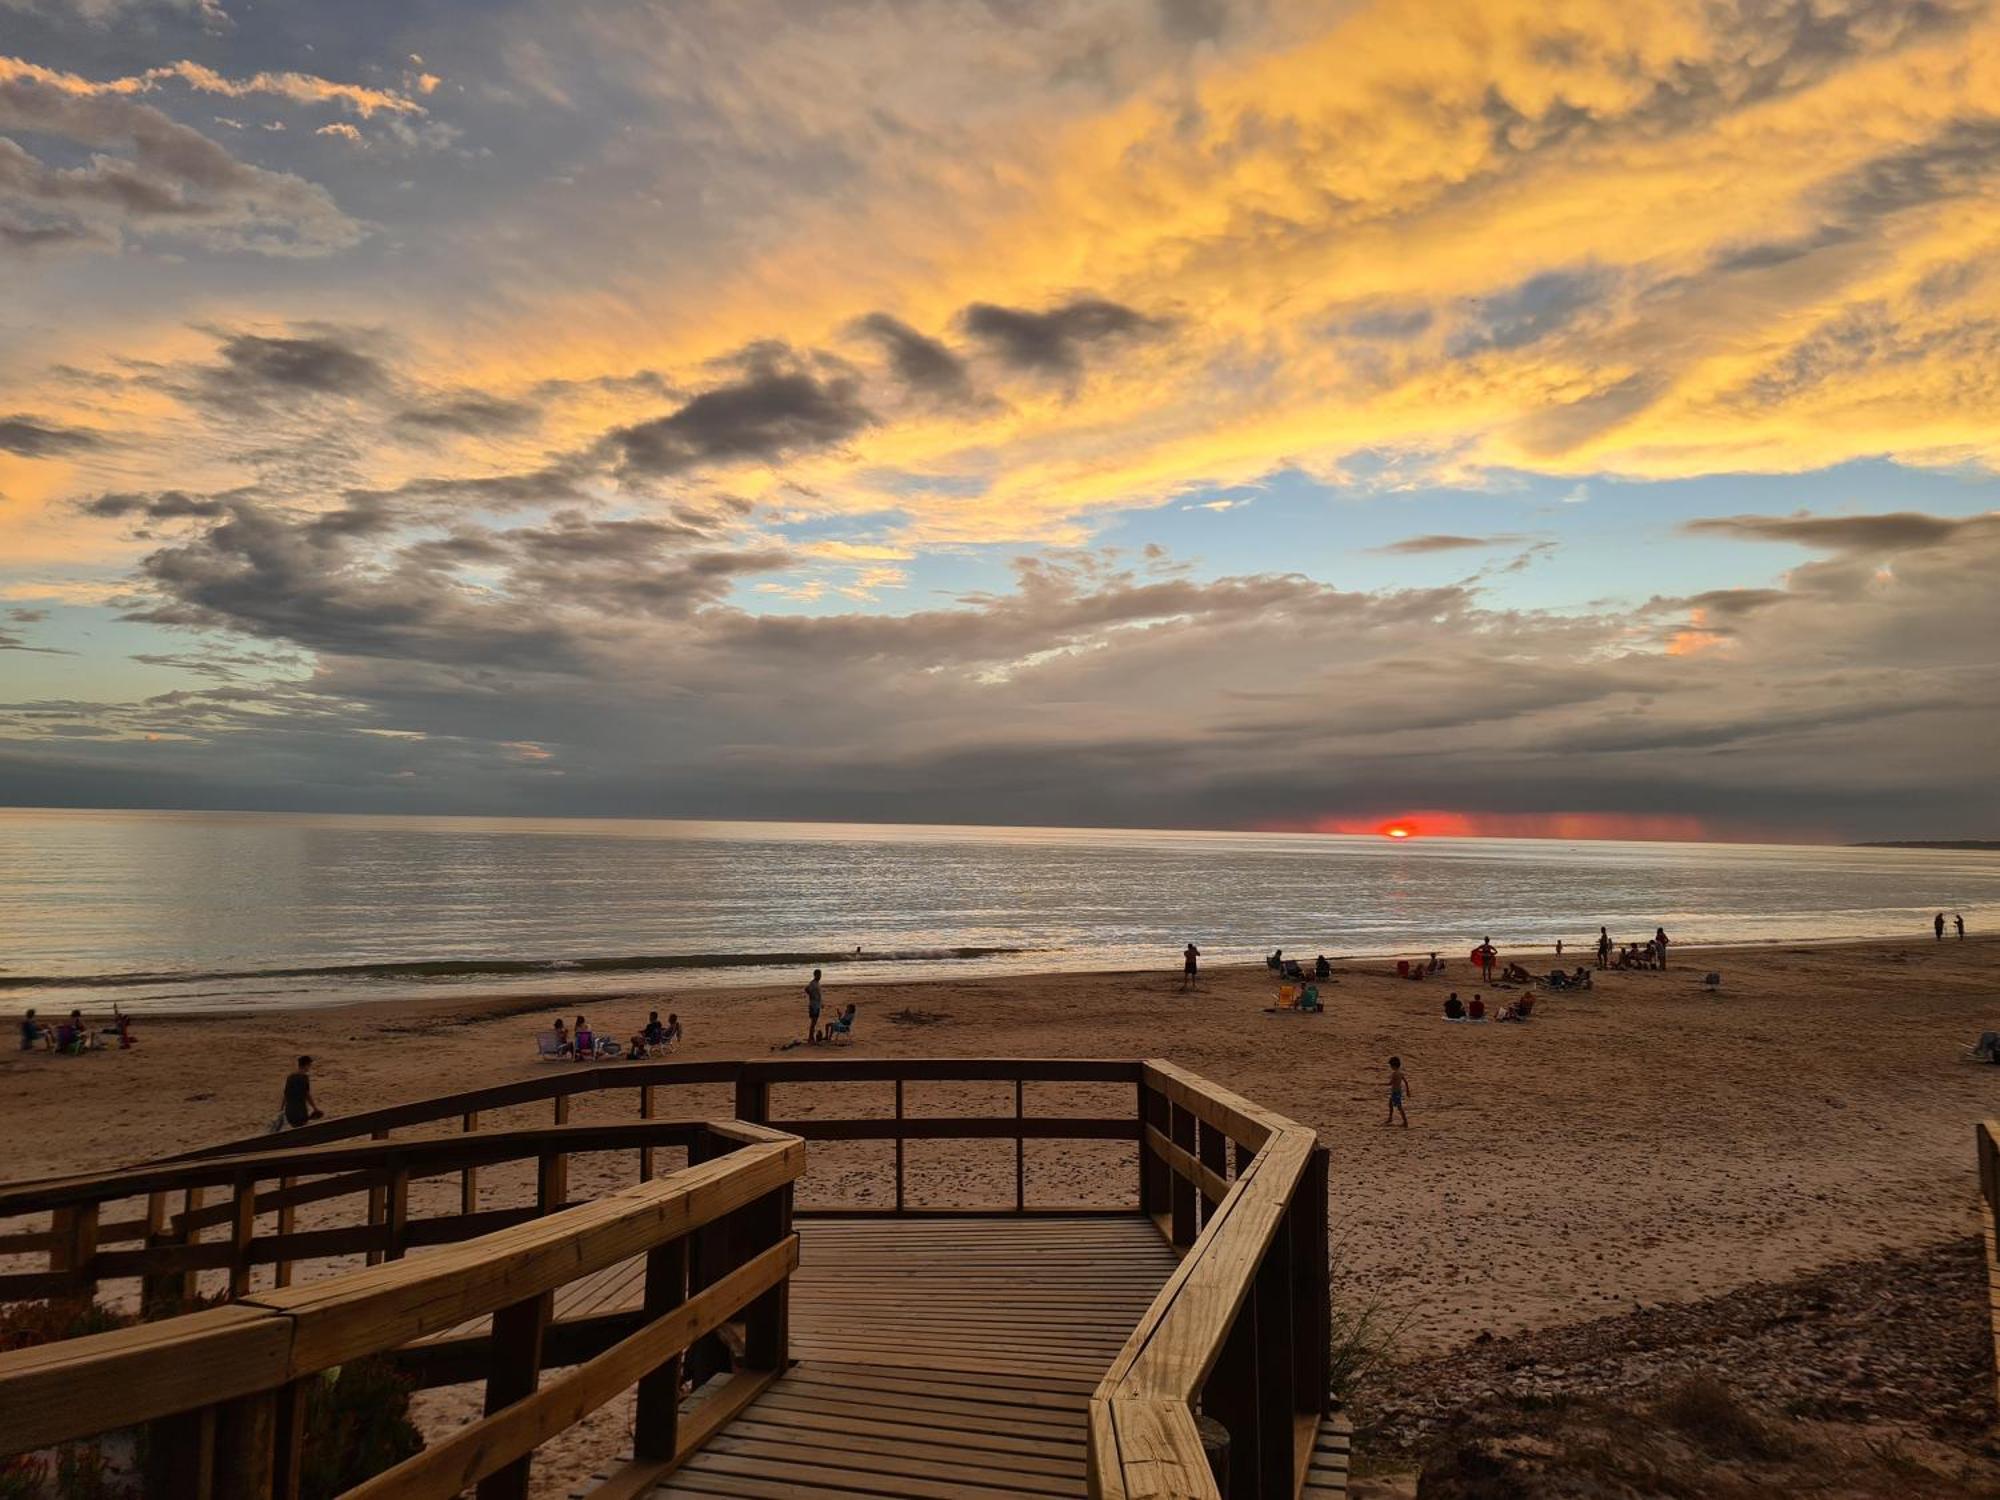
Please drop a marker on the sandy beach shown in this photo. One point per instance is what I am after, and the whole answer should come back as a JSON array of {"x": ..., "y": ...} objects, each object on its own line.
[{"x": 1644, "y": 1142}]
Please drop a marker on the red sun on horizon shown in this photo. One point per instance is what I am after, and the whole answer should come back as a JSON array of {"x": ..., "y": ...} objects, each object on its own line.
[{"x": 1398, "y": 831}]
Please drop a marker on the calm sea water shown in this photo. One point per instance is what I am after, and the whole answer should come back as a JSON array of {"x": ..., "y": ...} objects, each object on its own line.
[{"x": 166, "y": 911}]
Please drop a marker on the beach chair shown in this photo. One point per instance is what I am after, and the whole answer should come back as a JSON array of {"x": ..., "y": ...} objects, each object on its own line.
[
  {"x": 548, "y": 1048},
  {"x": 839, "y": 1029},
  {"x": 1288, "y": 1001}
]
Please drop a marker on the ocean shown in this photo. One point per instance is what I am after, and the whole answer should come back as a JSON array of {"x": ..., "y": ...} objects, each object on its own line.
[{"x": 165, "y": 911}]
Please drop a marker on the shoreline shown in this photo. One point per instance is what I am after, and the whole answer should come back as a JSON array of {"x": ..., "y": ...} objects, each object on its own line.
[{"x": 486, "y": 1003}]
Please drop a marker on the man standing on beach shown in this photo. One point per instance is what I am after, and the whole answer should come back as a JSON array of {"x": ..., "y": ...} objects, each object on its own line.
[
  {"x": 1660, "y": 946},
  {"x": 1603, "y": 947},
  {"x": 1938, "y": 927},
  {"x": 1958, "y": 922},
  {"x": 813, "y": 1002},
  {"x": 1189, "y": 961},
  {"x": 1487, "y": 954}
]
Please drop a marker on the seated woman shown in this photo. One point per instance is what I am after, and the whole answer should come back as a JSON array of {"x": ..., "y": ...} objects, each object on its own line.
[
  {"x": 1292, "y": 969},
  {"x": 1321, "y": 968},
  {"x": 1454, "y": 1008},
  {"x": 671, "y": 1037},
  {"x": 586, "y": 1041},
  {"x": 1476, "y": 1011},
  {"x": 1580, "y": 980}
]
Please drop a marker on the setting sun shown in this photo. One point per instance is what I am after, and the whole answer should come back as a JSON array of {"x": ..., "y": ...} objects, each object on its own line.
[{"x": 1397, "y": 831}]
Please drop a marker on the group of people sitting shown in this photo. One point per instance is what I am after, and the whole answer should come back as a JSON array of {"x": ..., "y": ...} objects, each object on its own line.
[
  {"x": 1580, "y": 980},
  {"x": 1646, "y": 955},
  {"x": 1291, "y": 968},
  {"x": 654, "y": 1039},
  {"x": 75, "y": 1036},
  {"x": 1475, "y": 1009},
  {"x": 1419, "y": 968}
]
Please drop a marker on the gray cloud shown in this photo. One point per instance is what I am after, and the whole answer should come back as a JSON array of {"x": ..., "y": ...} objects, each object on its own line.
[
  {"x": 469, "y": 413},
  {"x": 779, "y": 407},
  {"x": 1054, "y": 342},
  {"x": 158, "y": 505},
  {"x": 30, "y": 438},
  {"x": 1895, "y": 531},
  {"x": 169, "y": 179},
  {"x": 325, "y": 364},
  {"x": 924, "y": 364},
  {"x": 1444, "y": 542}
]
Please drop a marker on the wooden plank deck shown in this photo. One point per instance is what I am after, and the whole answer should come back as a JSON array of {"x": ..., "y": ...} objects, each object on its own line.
[
  {"x": 943, "y": 1358},
  {"x": 948, "y": 1359}
]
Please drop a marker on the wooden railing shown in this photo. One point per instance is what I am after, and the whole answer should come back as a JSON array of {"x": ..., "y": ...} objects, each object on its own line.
[
  {"x": 1239, "y": 1335},
  {"x": 1240, "y": 1332},
  {"x": 1986, "y": 1139},
  {"x": 173, "y": 1236},
  {"x": 224, "y": 1388}
]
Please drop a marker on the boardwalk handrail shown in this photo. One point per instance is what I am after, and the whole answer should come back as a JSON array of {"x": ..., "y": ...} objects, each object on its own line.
[
  {"x": 225, "y": 1383},
  {"x": 1242, "y": 1325},
  {"x": 360, "y": 1146}
]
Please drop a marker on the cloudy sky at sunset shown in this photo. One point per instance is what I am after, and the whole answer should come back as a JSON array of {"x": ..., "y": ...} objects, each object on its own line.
[{"x": 1543, "y": 416}]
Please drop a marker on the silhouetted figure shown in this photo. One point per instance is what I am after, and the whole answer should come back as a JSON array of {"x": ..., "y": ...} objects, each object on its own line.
[
  {"x": 1603, "y": 948},
  {"x": 1190, "y": 961},
  {"x": 300, "y": 1106},
  {"x": 1487, "y": 955},
  {"x": 813, "y": 1002},
  {"x": 1958, "y": 922},
  {"x": 1937, "y": 926},
  {"x": 1321, "y": 968},
  {"x": 1660, "y": 945}
]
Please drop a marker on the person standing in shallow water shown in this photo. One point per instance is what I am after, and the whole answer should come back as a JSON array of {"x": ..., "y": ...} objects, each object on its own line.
[
  {"x": 813, "y": 1002},
  {"x": 1190, "y": 962},
  {"x": 1937, "y": 926},
  {"x": 1958, "y": 922}
]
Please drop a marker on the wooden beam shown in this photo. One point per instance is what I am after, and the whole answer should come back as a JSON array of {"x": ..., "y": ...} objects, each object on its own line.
[{"x": 515, "y": 1428}]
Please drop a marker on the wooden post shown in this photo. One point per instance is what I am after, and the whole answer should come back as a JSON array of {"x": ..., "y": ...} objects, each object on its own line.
[
  {"x": 246, "y": 1431},
  {"x": 155, "y": 1289},
  {"x": 767, "y": 1322},
  {"x": 242, "y": 1229},
  {"x": 514, "y": 1370},
  {"x": 378, "y": 1203},
  {"x": 551, "y": 1181},
  {"x": 190, "y": 1234},
  {"x": 1312, "y": 1306},
  {"x": 657, "y": 1413},
  {"x": 1152, "y": 1171},
  {"x": 75, "y": 1245},
  {"x": 281, "y": 1273},
  {"x": 1180, "y": 1191},
  {"x": 753, "y": 1100},
  {"x": 899, "y": 1145},
  {"x": 1020, "y": 1153},
  {"x": 1214, "y": 1153},
  {"x": 468, "y": 1177},
  {"x": 399, "y": 1212},
  {"x": 553, "y": 1192},
  {"x": 1230, "y": 1396},
  {"x": 183, "y": 1448},
  {"x": 287, "y": 1461},
  {"x": 1277, "y": 1404},
  {"x": 645, "y": 1113}
]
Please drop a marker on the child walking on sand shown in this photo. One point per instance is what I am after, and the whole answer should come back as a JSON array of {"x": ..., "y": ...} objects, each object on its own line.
[{"x": 1399, "y": 1090}]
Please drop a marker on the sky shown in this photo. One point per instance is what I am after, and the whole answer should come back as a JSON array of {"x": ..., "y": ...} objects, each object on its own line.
[{"x": 1542, "y": 417}]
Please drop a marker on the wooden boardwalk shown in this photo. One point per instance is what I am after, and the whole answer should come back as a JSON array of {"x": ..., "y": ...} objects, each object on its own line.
[{"x": 944, "y": 1358}]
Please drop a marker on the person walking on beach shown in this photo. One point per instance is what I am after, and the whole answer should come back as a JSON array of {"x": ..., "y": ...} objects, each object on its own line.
[
  {"x": 1958, "y": 922},
  {"x": 300, "y": 1106},
  {"x": 814, "y": 1000},
  {"x": 1190, "y": 961},
  {"x": 1938, "y": 927},
  {"x": 1603, "y": 948},
  {"x": 1399, "y": 1090},
  {"x": 1660, "y": 946}
]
